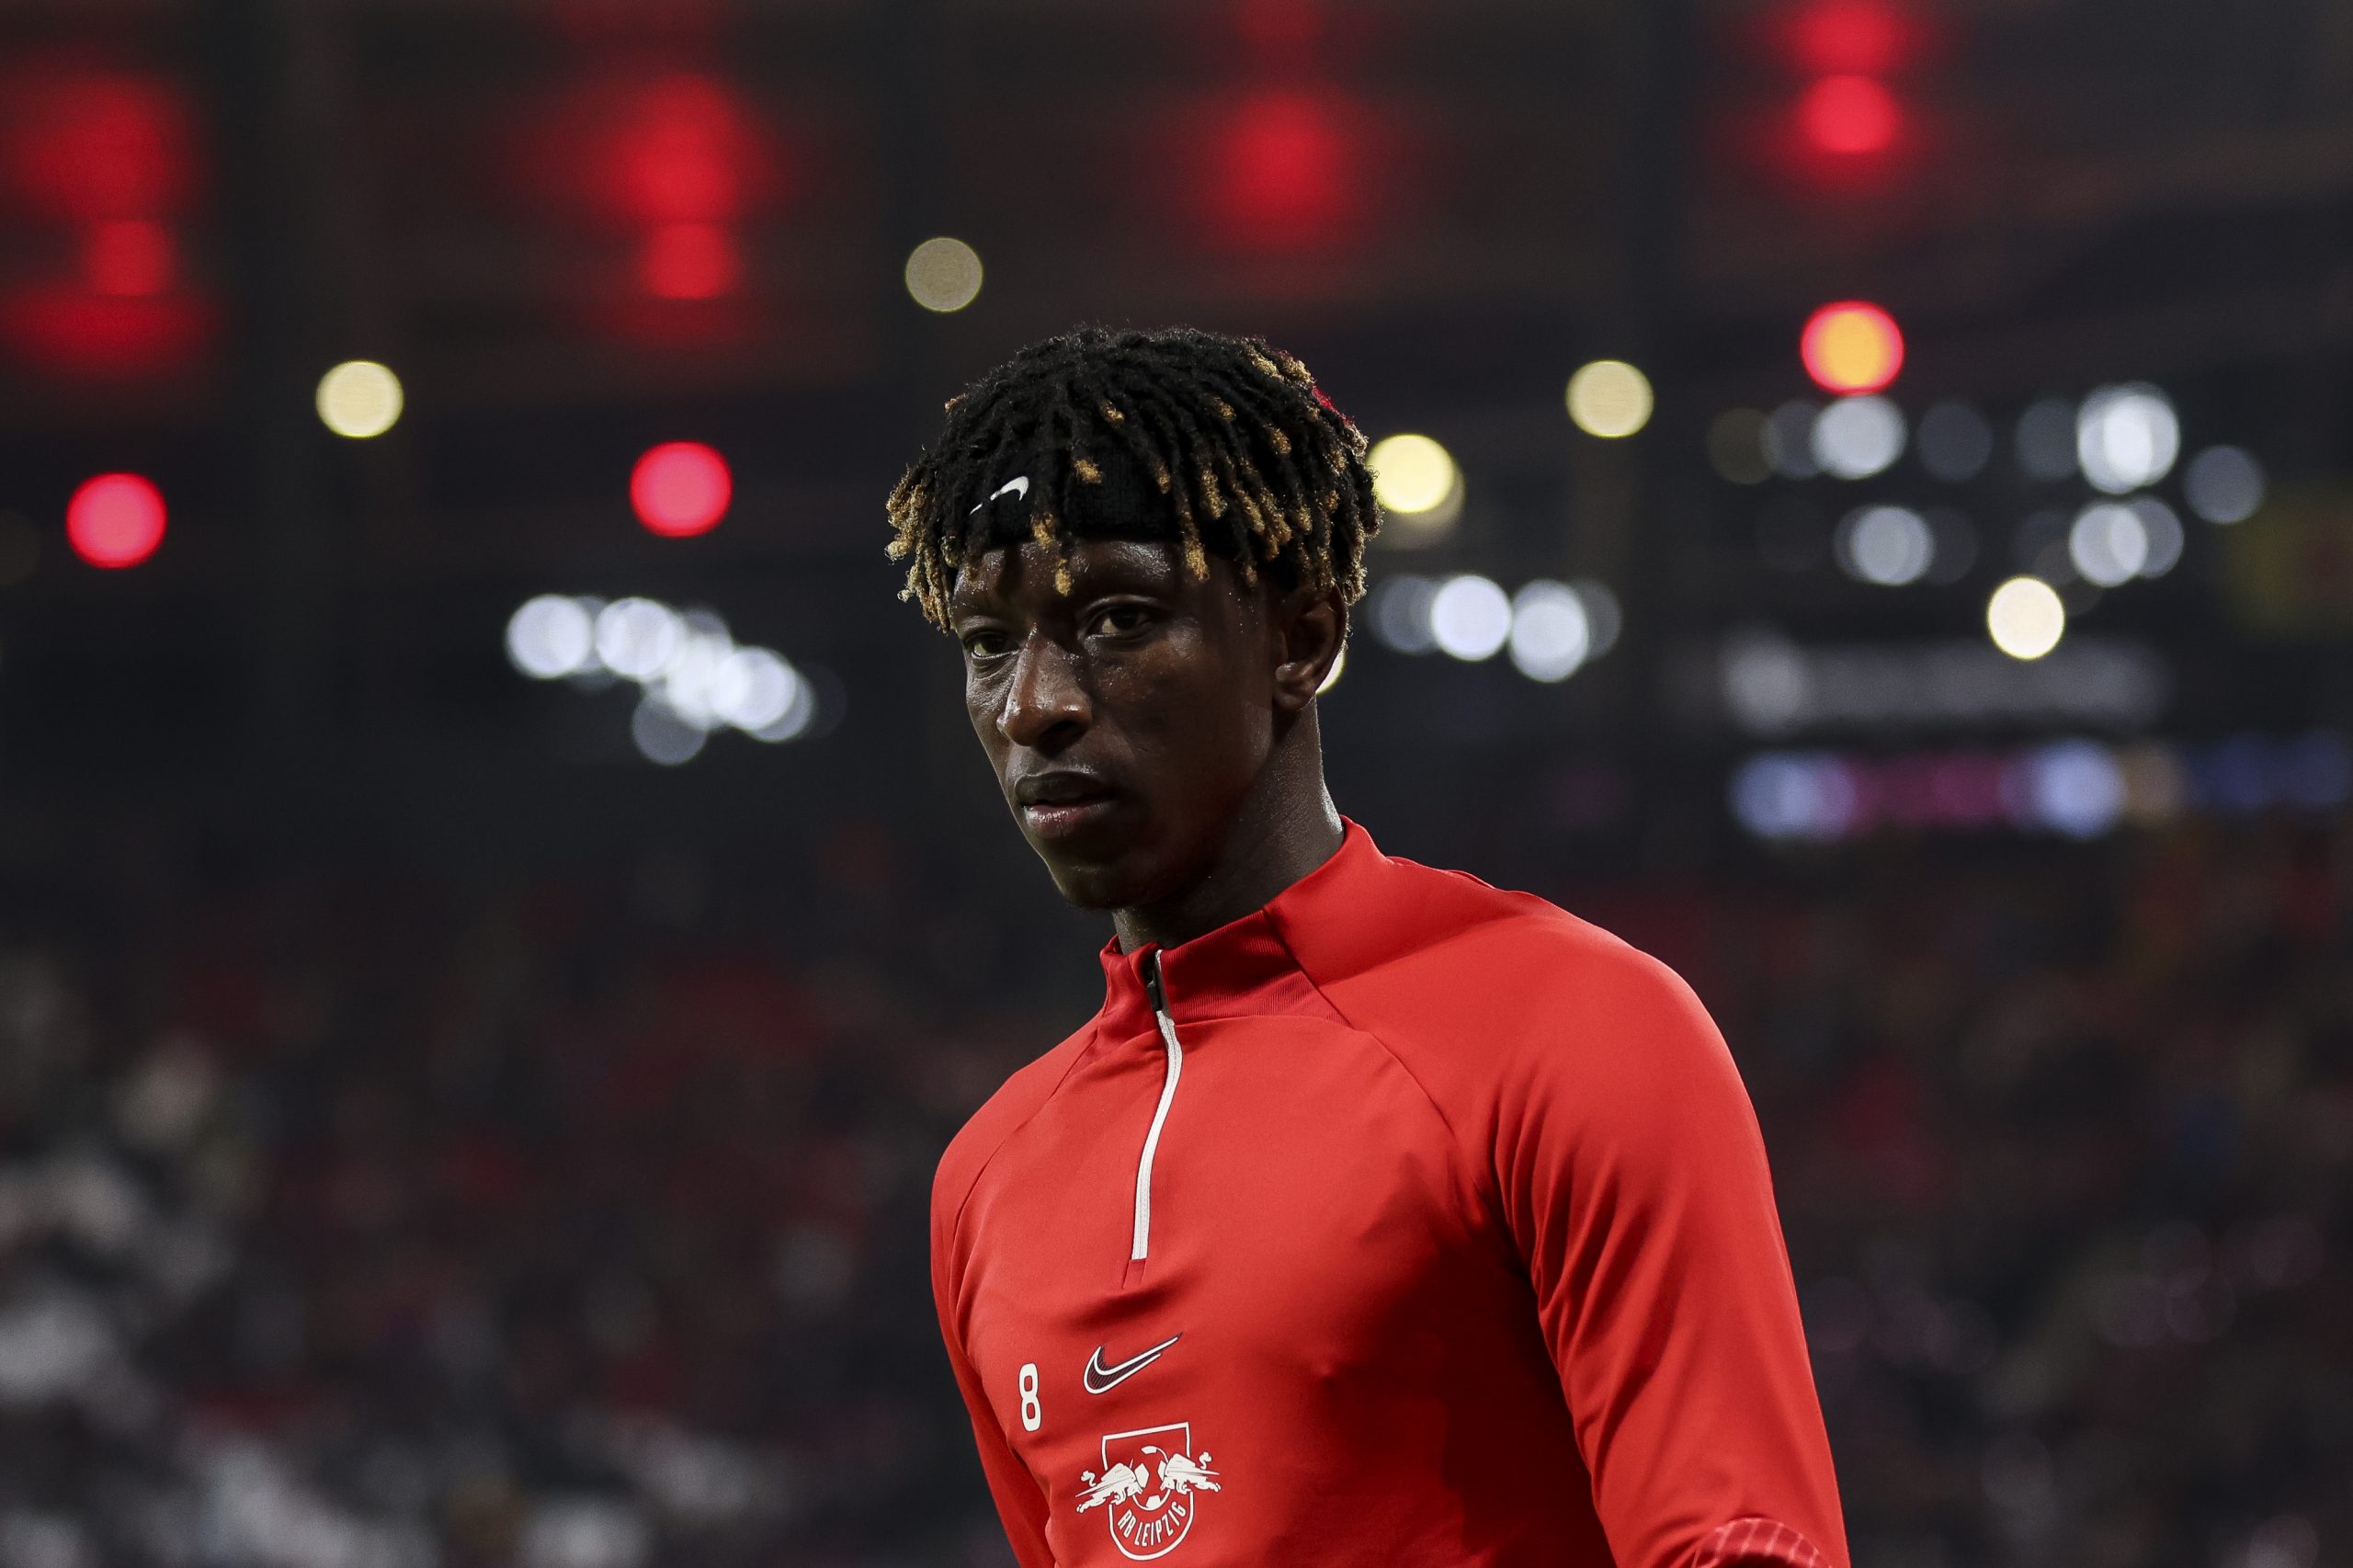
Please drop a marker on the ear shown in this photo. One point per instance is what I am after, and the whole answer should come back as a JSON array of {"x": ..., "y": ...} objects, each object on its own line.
[{"x": 1313, "y": 628}]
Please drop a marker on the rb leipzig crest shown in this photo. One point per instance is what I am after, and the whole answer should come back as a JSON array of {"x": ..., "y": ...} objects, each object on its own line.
[{"x": 1149, "y": 1488}]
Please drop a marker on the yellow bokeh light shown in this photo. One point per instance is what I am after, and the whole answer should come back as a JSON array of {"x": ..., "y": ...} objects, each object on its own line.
[
  {"x": 1412, "y": 473},
  {"x": 1611, "y": 399},
  {"x": 2026, "y": 617},
  {"x": 944, "y": 275},
  {"x": 360, "y": 399},
  {"x": 1332, "y": 675}
]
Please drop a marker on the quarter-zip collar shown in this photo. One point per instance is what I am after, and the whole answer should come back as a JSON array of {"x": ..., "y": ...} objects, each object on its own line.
[{"x": 1250, "y": 965}]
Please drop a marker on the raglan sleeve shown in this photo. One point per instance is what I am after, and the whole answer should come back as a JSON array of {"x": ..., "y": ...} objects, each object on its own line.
[
  {"x": 1019, "y": 1505},
  {"x": 1632, "y": 1174}
]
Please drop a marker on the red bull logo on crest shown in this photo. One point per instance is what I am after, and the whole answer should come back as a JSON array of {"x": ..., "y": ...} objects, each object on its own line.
[{"x": 1148, "y": 1488}]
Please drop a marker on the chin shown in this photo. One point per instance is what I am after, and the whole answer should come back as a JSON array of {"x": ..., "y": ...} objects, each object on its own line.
[{"x": 1095, "y": 884}]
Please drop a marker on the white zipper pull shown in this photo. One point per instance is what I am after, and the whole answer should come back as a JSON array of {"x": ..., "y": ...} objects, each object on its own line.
[{"x": 1159, "y": 996}]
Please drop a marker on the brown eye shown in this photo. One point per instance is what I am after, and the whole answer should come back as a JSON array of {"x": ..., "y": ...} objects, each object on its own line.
[
  {"x": 1121, "y": 620},
  {"x": 984, "y": 644}
]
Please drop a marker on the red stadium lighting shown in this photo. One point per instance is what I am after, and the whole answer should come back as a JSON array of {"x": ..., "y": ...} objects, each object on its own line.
[
  {"x": 1839, "y": 37},
  {"x": 690, "y": 261},
  {"x": 129, "y": 257},
  {"x": 1849, "y": 116},
  {"x": 1284, "y": 171},
  {"x": 680, "y": 489},
  {"x": 116, "y": 519},
  {"x": 89, "y": 146},
  {"x": 1851, "y": 346}
]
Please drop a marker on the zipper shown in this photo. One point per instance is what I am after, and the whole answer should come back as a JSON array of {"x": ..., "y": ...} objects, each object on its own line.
[{"x": 1143, "y": 1243}]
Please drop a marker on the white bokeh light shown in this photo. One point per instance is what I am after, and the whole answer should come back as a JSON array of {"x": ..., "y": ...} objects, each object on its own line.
[
  {"x": 2161, "y": 526},
  {"x": 1470, "y": 616},
  {"x": 1400, "y": 614},
  {"x": 2126, "y": 437},
  {"x": 2223, "y": 484},
  {"x": 1549, "y": 634},
  {"x": 753, "y": 687},
  {"x": 1887, "y": 545},
  {"x": 637, "y": 638},
  {"x": 1857, "y": 437},
  {"x": 551, "y": 637},
  {"x": 2045, "y": 438},
  {"x": 1603, "y": 617},
  {"x": 662, "y": 734},
  {"x": 2108, "y": 543}
]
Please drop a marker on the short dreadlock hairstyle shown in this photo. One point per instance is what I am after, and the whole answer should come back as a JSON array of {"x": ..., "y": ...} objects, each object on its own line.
[{"x": 1222, "y": 445}]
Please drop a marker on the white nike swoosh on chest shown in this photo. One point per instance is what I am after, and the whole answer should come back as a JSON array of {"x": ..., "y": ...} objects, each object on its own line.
[{"x": 1101, "y": 1378}]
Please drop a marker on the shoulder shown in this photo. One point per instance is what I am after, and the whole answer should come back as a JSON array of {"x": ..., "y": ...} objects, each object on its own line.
[
  {"x": 1485, "y": 991},
  {"x": 1467, "y": 950},
  {"x": 1005, "y": 1113}
]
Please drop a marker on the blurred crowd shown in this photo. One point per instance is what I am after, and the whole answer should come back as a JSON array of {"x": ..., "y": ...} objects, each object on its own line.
[{"x": 361, "y": 1221}]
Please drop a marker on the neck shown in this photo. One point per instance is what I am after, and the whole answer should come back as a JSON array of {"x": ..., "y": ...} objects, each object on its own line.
[{"x": 1286, "y": 828}]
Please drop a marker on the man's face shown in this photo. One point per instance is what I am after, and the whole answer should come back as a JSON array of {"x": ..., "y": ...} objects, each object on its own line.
[{"x": 1128, "y": 718}]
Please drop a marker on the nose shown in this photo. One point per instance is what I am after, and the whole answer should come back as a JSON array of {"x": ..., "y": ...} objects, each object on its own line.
[{"x": 1044, "y": 696}]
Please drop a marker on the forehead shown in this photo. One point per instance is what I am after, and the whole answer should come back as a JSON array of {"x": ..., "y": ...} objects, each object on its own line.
[{"x": 1009, "y": 573}]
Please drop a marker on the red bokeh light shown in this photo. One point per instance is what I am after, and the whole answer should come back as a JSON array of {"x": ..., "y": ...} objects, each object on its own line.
[
  {"x": 116, "y": 519},
  {"x": 1284, "y": 173},
  {"x": 1851, "y": 346},
  {"x": 84, "y": 332},
  {"x": 129, "y": 257},
  {"x": 690, "y": 261},
  {"x": 1849, "y": 116},
  {"x": 1865, "y": 37},
  {"x": 681, "y": 148},
  {"x": 87, "y": 146},
  {"x": 680, "y": 489}
]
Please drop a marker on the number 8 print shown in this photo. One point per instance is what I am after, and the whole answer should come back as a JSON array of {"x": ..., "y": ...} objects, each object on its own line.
[{"x": 1031, "y": 1414}]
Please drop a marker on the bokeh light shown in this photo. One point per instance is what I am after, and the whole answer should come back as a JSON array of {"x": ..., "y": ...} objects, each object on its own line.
[
  {"x": 1857, "y": 437},
  {"x": 1611, "y": 399},
  {"x": 2108, "y": 543},
  {"x": 360, "y": 399},
  {"x": 2025, "y": 618},
  {"x": 114, "y": 520},
  {"x": 1400, "y": 614},
  {"x": 2223, "y": 484},
  {"x": 1332, "y": 677},
  {"x": 690, "y": 259},
  {"x": 1415, "y": 479},
  {"x": 2161, "y": 526},
  {"x": 944, "y": 275},
  {"x": 1851, "y": 346},
  {"x": 2126, "y": 437},
  {"x": 1891, "y": 546},
  {"x": 1470, "y": 616},
  {"x": 637, "y": 638},
  {"x": 2045, "y": 440},
  {"x": 680, "y": 489},
  {"x": 1849, "y": 115},
  {"x": 551, "y": 637},
  {"x": 1550, "y": 634},
  {"x": 129, "y": 257}
]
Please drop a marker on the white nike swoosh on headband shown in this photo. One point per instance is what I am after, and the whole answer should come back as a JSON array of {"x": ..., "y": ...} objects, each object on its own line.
[
  {"x": 1017, "y": 486},
  {"x": 1101, "y": 1378}
]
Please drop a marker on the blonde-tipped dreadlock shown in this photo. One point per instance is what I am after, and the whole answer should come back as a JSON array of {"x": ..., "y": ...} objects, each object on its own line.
[{"x": 1256, "y": 462}]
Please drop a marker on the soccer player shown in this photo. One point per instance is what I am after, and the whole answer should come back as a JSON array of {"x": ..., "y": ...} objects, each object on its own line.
[{"x": 1378, "y": 1216}]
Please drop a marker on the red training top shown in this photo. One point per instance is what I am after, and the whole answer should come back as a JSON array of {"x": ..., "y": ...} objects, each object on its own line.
[{"x": 1404, "y": 1221}]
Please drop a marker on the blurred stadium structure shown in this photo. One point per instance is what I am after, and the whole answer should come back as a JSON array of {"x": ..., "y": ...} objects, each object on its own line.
[{"x": 502, "y": 910}]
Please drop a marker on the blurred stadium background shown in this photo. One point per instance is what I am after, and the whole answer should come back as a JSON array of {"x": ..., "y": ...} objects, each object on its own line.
[{"x": 499, "y": 909}]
